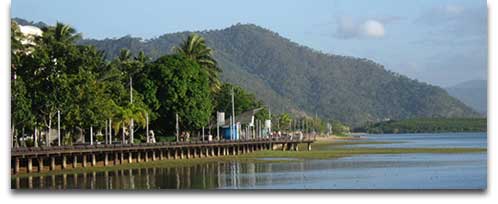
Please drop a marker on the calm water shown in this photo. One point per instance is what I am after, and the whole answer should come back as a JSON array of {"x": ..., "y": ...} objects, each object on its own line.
[
  {"x": 443, "y": 140},
  {"x": 399, "y": 171}
]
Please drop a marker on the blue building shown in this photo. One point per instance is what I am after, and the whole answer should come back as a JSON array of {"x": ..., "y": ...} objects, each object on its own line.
[{"x": 225, "y": 133}]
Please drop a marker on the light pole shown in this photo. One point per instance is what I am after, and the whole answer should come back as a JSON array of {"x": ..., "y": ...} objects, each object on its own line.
[
  {"x": 269, "y": 115},
  {"x": 131, "y": 120},
  {"x": 202, "y": 133},
  {"x": 110, "y": 131},
  {"x": 233, "y": 112},
  {"x": 177, "y": 128},
  {"x": 91, "y": 135},
  {"x": 146, "y": 126},
  {"x": 105, "y": 131},
  {"x": 59, "y": 127},
  {"x": 218, "y": 126}
]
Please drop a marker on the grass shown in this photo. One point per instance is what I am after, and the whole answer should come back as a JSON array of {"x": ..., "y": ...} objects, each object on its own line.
[
  {"x": 345, "y": 152},
  {"x": 318, "y": 145}
]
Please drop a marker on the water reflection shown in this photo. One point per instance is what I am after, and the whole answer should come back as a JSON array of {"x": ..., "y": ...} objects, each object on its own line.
[
  {"x": 360, "y": 172},
  {"x": 213, "y": 175},
  {"x": 399, "y": 171}
]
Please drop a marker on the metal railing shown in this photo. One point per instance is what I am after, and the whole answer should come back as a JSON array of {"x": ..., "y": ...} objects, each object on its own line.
[{"x": 110, "y": 147}]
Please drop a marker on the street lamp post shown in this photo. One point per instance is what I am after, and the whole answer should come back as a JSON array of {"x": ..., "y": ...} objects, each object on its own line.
[
  {"x": 132, "y": 136},
  {"x": 177, "y": 128},
  {"x": 233, "y": 113},
  {"x": 91, "y": 135},
  {"x": 146, "y": 126},
  {"x": 59, "y": 127}
]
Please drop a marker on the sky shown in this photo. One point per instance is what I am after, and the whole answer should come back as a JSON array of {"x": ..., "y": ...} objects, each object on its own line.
[{"x": 441, "y": 42}]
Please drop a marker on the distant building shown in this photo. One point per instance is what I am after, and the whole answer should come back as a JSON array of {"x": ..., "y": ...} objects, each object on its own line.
[{"x": 29, "y": 33}]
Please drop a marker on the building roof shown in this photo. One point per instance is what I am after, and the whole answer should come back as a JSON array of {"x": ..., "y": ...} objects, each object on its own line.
[
  {"x": 245, "y": 117},
  {"x": 29, "y": 33},
  {"x": 30, "y": 30}
]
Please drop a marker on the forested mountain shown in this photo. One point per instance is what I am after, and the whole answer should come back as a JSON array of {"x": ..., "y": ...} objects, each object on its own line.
[
  {"x": 298, "y": 79},
  {"x": 473, "y": 93},
  {"x": 24, "y": 22}
]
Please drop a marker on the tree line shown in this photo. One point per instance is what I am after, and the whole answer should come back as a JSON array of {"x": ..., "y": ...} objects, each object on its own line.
[
  {"x": 52, "y": 75},
  {"x": 427, "y": 125}
]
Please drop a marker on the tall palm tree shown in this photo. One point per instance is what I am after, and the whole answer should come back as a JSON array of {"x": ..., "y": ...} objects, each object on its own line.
[
  {"x": 124, "y": 55},
  {"x": 123, "y": 117},
  {"x": 195, "y": 48},
  {"x": 63, "y": 33}
]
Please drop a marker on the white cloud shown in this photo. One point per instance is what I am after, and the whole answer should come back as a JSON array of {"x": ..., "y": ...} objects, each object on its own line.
[
  {"x": 373, "y": 28},
  {"x": 348, "y": 28}
]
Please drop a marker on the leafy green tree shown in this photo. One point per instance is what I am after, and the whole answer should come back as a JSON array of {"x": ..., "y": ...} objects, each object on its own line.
[
  {"x": 195, "y": 48},
  {"x": 143, "y": 83},
  {"x": 243, "y": 100},
  {"x": 79, "y": 82},
  {"x": 17, "y": 48},
  {"x": 284, "y": 121},
  {"x": 117, "y": 77},
  {"x": 53, "y": 57},
  {"x": 263, "y": 114},
  {"x": 21, "y": 115},
  {"x": 339, "y": 129},
  {"x": 183, "y": 89},
  {"x": 87, "y": 107}
]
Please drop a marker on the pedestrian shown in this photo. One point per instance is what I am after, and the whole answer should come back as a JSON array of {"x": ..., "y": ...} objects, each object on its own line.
[{"x": 152, "y": 137}]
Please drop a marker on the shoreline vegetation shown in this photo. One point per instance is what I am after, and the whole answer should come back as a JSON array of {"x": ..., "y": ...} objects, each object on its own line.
[
  {"x": 426, "y": 125},
  {"x": 333, "y": 147}
]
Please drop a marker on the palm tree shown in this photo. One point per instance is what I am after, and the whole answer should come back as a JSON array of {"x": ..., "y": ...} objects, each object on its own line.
[
  {"x": 124, "y": 55},
  {"x": 195, "y": 48},
  {"x": 123, "y": 117},
  {"x": 63, "y": 33},
  {"x": 141, "y": 57}
]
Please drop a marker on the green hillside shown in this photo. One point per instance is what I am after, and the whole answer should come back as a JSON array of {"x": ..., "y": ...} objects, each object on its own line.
[{"x": 295, "y": 78}]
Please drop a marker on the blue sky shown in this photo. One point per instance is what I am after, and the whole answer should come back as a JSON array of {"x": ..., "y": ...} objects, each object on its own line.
[{"x": 441, "y": 42}]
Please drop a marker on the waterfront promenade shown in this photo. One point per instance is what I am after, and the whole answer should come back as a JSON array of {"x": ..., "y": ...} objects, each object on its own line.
[{"x": 45, "y": 159}]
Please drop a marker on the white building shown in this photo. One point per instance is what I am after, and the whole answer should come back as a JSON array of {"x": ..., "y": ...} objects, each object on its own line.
[{"x": 29, "y": 33}]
